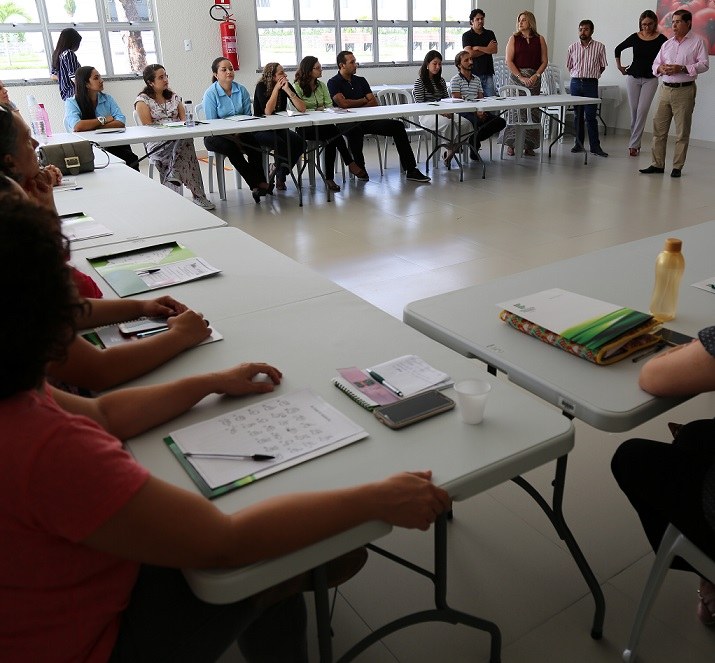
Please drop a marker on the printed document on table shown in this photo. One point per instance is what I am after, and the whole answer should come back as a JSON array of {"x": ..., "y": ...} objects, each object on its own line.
[
  {"x": 76, "y": 227},
  {"x": 293, "y": 428}
]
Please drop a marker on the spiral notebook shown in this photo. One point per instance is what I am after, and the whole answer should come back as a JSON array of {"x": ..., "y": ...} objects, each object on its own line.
[{"x": 408, "y": 374}]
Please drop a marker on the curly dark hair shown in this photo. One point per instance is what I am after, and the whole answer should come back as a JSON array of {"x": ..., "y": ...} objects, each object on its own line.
[
  {"x": 149, "y": 74},
  {"x": 269, "y": 71},
  {"x": 40, "y": 303}
]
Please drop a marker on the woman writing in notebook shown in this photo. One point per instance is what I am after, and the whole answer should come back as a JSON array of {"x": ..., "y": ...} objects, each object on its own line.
[{"x": 93, "y": 544}]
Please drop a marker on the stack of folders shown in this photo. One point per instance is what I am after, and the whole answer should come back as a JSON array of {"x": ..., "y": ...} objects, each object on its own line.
[
  {"x": 390, "y": 381},
  {"x": 589, "y": 328}
]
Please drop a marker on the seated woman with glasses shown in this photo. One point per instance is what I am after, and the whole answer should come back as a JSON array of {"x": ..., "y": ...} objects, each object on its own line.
[
  {"x": 430, "y": 86},
  {"x": 271, "y": 96},
  {"x": 315, "y": 96}
]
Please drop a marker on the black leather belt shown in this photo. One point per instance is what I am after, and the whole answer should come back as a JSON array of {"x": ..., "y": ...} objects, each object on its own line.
[
  {"x": 585, "y": 80},
  {"x": 679, "y": 84}
]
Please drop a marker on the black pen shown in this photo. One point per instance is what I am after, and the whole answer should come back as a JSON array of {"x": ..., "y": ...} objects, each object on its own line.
[
  {"x": 384, "y": 383},
  {"x": 153, "y": 270},
  {"x": 230, "y": 456}
]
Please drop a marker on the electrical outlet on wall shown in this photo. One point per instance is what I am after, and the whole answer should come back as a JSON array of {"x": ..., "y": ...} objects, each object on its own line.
[{"x": 187, "y": 45}]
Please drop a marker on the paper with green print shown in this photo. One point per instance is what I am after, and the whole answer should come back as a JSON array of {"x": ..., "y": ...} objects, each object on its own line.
[
  {"x": 590, "y": 322},
  {"x": 150, "y": 268}
]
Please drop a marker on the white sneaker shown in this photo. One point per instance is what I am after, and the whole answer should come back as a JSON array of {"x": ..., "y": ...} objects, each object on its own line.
[{"x": 204, "y": 203}]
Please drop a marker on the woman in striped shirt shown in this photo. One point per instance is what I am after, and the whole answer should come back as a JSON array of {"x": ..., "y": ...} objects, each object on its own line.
[
  {"x": 65, "y": 62},
  {"x": 431, "y": 87}
]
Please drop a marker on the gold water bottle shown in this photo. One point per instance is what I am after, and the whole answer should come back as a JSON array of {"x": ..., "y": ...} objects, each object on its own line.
[{"x": 669, "y": 267}]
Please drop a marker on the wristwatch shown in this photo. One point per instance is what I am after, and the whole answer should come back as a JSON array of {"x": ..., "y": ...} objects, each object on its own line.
[{"x": 102, "y": 119}]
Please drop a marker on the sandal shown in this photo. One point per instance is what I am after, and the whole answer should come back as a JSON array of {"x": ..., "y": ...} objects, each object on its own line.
[
  {"x": 633, "y": 151},
  {"x": 332, "y": 185},
  {"x": 280, "y": 184},
  {"x": 447, "y": 157},
  {"x": 529, "y": 152},
  {"x": 706, "y": 604},
  {"x": 510, "y": 150}
]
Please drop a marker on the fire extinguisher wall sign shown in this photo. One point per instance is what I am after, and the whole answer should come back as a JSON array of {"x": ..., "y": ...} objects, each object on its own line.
[{"x": 229, "y": 47}]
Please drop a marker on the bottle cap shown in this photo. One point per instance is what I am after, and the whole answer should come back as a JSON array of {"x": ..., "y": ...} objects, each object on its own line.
[{"x": 674, "y": 245}]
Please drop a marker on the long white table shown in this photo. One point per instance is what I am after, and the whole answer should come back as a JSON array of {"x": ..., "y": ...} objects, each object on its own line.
[
  {"x": 308, "y": 340},
  {"x": 606, "y": 397},
  {"x": 131, "y": 206},
  {"x": 253, "y": 275}
]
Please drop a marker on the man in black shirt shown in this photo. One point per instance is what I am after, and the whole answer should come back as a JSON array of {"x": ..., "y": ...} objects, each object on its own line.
[
  {"x": 351, "y": 91},
  {"x": 481, "y": 44}
]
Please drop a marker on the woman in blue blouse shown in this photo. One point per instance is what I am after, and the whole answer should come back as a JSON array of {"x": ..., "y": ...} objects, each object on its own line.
[
  {"x": 224, "y": 98},
  {"x": 91, "y": 109}
]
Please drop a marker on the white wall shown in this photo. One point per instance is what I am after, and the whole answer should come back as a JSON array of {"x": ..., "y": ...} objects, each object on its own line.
[{"x": 557, "y": 20}]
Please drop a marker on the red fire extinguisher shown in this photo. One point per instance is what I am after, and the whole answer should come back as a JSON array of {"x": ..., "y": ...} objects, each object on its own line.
[{"x": 228, "y": 32}]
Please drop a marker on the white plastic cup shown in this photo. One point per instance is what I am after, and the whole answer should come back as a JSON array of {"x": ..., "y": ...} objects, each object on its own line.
[{"x": 472, "y": 399}]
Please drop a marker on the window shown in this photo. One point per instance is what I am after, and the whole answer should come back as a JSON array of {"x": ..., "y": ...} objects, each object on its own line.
[
  {"x": 118, "y": 36},
  {"x": 377, "y": 31}
]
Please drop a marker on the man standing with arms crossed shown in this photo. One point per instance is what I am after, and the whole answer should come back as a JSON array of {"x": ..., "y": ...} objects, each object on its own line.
[
  {"x": 481, "y": 44},
  {"x": 351, "y": 91},
  {"x": 586, "y": 61},
  {"x": 679, "y": 62}
]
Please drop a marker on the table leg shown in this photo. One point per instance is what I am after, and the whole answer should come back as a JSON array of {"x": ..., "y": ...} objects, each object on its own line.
[
  {"x": 556, "y": 516},
  {"x": 441, "y": 613},
  {"x": 322, "y": 613}
]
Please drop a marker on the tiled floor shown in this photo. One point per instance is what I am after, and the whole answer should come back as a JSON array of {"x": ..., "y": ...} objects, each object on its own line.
[{"x": 392, "y": 242}]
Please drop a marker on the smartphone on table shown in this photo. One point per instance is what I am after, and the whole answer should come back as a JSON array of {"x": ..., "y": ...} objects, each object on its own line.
[
  {"x": 674, "y": 338},
  {"x": 412, "y": 409}
]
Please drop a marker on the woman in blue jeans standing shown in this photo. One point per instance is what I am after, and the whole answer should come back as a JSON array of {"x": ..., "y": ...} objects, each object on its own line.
[{"x": 641, "y": 84}]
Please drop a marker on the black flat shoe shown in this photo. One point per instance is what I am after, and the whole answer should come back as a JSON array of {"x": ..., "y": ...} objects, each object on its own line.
[
  {"x": 651, "y": 169},
  {"x": 256, "y": 193},
  {"x": 675, "y": 172}
]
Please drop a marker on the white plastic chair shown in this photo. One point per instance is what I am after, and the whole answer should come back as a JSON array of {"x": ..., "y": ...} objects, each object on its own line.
[
  {"x": 551, "y": 83},
  {"x": 519, "y": 119},
  {"x": 138, "y": 123},
  {"x": 394, "y": 97},
  {"x": 501, "y": 73},
  {"x": 219, "y": 159},
  {"x": 674, "y": 544}
]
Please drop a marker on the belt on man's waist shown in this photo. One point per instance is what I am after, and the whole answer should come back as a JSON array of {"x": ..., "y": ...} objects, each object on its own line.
[
  {"x": 585, "y": 80},
  {"x": 685, "y": 84}
]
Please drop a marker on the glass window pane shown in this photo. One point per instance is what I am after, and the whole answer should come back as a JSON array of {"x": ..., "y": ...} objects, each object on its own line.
[
  {"x": 131, "y": 50},
  {"x": 90, "y": 52},
  {"x": 22, "y": 55},
  {"x": 274, "y": 10},
  {"x": 314, "y": 10},
  {"x": 392, "y": 43},
  {"x": 359, "y": 41},
  {"x": 319, "y": 42},
  {"x": 426, "y": 10},
  {"x": 453, "y": 44},
  {"x": 458, "y": 10},
  {"x": 355, "y": 10},
  {"x": 125, "y": 11},
  {"x": 71, "y": 11},
  {"x": 18, "y": 11},
  {"x": 424, "y": 39},
  {"x": 392, "y": 10},
  {"x": 277, "y": 45}
]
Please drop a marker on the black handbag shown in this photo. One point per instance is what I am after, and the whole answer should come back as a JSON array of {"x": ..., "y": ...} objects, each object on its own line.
[{"x": 71, "y": 158}]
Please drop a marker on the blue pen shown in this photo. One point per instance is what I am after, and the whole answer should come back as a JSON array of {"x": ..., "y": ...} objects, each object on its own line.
[{"x": 378, "y": 378}]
